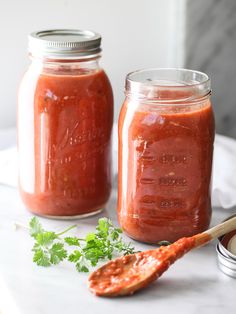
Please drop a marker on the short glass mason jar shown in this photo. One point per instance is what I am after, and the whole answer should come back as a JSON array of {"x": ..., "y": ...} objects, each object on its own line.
[
  {"x": 166, "y": 135},
  {"x": 65, "y": 117}
]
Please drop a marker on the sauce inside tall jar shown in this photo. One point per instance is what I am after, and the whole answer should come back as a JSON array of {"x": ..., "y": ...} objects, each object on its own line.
[
  {"x": 65, "y": 116},
  {"x": 166, "y": 135}
]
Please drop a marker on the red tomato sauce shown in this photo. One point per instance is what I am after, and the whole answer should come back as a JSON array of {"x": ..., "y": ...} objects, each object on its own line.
[
  {"x": 73, "y": 116},
  {"x": 165, "y": 162},
  {"x": 227, "y": 237},
  {"x": 129, "y": 273}
]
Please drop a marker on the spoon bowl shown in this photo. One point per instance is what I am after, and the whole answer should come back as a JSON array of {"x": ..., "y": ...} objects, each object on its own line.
[{"x": 130, "y": 273}]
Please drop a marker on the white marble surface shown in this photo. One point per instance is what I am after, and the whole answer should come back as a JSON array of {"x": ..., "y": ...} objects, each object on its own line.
[{"x": 192, "y": 285}]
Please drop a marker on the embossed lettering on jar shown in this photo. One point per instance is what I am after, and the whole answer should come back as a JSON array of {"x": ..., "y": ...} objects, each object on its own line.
[
  {"x": 166, "y": 134},
  {"x": 65, "y": 116}
]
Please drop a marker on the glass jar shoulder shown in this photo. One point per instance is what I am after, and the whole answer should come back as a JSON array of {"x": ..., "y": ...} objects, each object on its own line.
[
  {"x": 58, "y": 71},
  {"x": 141, "y": 117},
  {"x": 69, "y": 81}
]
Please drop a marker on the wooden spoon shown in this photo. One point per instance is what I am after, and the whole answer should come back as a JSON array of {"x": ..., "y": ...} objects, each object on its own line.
[{"x": 130, "y": 273}]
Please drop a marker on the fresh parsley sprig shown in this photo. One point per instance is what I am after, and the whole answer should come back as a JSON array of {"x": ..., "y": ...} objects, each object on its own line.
[
  {"x": 99, "y": 245},
  {"x": 50, "y": 248}
]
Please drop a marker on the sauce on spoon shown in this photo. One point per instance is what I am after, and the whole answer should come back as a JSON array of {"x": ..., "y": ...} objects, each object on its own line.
[{"x": 129, "y": 273}]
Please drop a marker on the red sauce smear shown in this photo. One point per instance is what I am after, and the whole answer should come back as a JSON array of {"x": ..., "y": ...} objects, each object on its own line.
[
  {"x": 130, "y": 273},
  {"x": 226, "y": 238}
]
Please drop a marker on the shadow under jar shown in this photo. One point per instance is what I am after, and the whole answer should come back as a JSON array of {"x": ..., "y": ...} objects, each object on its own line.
[
  {"x": 166, "y": 135},
  {"x": 65, "y": 116}
]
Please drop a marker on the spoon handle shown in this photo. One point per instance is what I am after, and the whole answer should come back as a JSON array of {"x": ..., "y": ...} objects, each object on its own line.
[{"x": 215, "y": 232}]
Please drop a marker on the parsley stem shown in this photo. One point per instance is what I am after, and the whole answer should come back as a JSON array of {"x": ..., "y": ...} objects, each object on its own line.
[
  {"x": 20, "y": 225},
  {"x": 66, "y": 230}
]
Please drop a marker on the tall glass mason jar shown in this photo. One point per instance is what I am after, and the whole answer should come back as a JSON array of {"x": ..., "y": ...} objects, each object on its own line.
[
  {"x": 65, "y": 117},
  {"x": 166, "y": 135}
]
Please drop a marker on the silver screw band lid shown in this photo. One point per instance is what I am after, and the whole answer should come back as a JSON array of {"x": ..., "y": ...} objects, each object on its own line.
[{"x": 64, "y": 43}]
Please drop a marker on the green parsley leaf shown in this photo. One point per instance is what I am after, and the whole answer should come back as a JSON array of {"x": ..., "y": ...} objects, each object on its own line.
[
  {"x": 73, "y": 241},
  {"x": 81, "y": 268},
  {"x": 46, "y": 238},
  {"x": 57, "y": 253},
  {"x": 75, "y": 256},
  {"x": 35, "y": 227},
  {"x": 103, "y": 227},
  {"x": 41, "y": 258},
  {"x": 163, "y": 243},
  {"x": 90, "y": 237}
]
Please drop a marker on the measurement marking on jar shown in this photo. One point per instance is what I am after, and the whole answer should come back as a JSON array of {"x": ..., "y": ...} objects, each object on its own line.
[
  {"x": 147, "y": 181},
  {"x": 157, "y": 203},
  {"x": 170, "y": 181},
  {"x": 163, "y": 158},
  {"x": 147, "y": 158},
  {"x": 171, "y": 203},
  {"x": 173, "y": 159},
  {"x": 148, "y": 199}
]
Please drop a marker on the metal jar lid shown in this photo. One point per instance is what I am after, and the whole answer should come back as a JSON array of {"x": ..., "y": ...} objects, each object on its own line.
[
  {"x": 226, "y": 260},
  {"x": 64, "y": 44}
]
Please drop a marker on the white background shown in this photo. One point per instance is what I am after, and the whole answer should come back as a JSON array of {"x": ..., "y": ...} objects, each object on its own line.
[{"x": 136, "y": 34}]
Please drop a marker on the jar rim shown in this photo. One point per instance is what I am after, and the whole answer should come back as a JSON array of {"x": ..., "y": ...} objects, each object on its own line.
[{"x": 154, "y": 83}]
